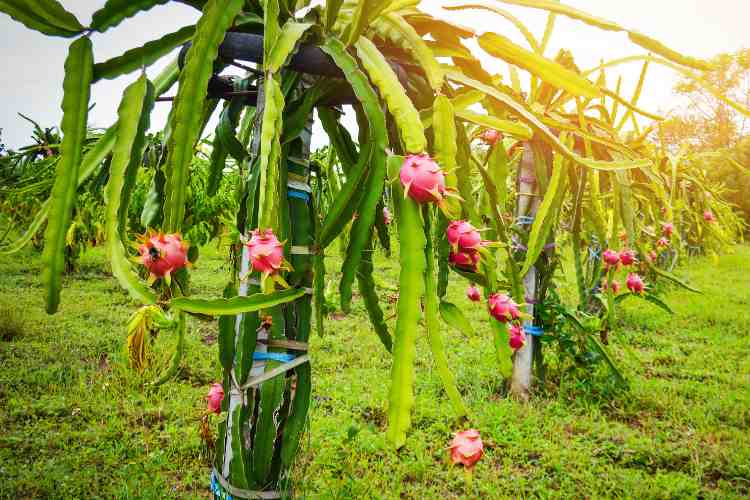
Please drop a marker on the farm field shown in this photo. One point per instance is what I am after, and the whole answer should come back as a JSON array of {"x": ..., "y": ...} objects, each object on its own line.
[{"x": 76, "y": 422}]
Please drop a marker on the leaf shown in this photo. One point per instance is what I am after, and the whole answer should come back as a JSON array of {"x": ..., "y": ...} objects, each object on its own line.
[
  {"x": 291, "y": 34},
  {"x": 393, "y": 93},
  {"x": 236, "y": 305},
  {"x": 395, "y": 29},
  {"x": 217, "y": 18},
  {"x": 76, "y": 91},
  {"x": 270, "y": 153},
  {"x": 46, "y": 16},
  {"x": 143, "y": 56},
  {"x": 115, "y": 11},
  {"x": 454, "y": 317},
  {"x": 135, "y": 102},
  {"x": 526, "y": 116},
  {"x": 517, "y": 130},
  {"x": 545, "y": 215},
  {"x": 549, "y": 71},
  {"x": 411, "y": 289},
  {"x": 674, "y": 279},
  {"x": 530, "y": 38},
  {"x": 637, "y": 38},
  {"x": 332, "y": 12},
  {"x": 599, "y": 348},
  {"x": 370, "y": 299}
]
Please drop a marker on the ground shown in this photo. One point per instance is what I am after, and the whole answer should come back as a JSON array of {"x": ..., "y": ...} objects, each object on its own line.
[{"x": 76, "y": 422}]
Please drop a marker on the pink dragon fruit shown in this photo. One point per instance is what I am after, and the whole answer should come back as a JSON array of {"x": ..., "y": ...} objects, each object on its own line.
[
  {"x": 662, "y": 242},
  {"x": 503, "y": 308},
  {"x": 652, "y": 256},
  {"x": 215, "y": 397},
  {"x": 610, "y": 257},
  {"x": 708, "y": 216},
  {"x": 462, "y": 236},
  {"x": 635, "y": 283},
  {"x": 265, "y": 251},
  {"x": 627, "y": 257},
  {"x": 464, "y": 260},
  {"x": 466, "y": 448},
  {"x": 162, "y": 254},
  {"x": 667, "y": 229},
  {"x": 491, "y": 136},
  {"x": 472, "y": 292},
  {"x": 517, "y": 337},
  {"x": 423, "y": 180}
]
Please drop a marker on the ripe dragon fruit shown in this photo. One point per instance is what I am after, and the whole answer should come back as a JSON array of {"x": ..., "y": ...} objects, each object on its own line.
[
  {"x": 627, "y": 257},
  {"x": 491, "y": 136},
  {"x": 423, "y": 180},
  {"x": 215, "y": 397},
  {"x": 667, "y": 229},
  {"x": 387, "y": 219},
  {"x": 615, "y": 286},
  {"x": 265, "y": 251},
  {"x": 708, "y": 216},
  {"x": 517, "y": 337},
  {"x": 466, "y": 448},
  {"x": 464, "y": 260},
  {"x": 162, "y": 254},
  {"x": 472, "y": 292},
  {"x": 610, "y": 257},
  {"x": 662, "y": 242},
  {"x": 652, "y": 256},
  {"x": 635, "y": 283},
  {"x": 462, "y": 236},
  {"x": 503, "y": 308}
]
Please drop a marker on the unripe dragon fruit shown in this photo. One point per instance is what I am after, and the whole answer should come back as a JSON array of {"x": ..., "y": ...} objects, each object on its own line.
[
  {"x": 491, "y": 136},
  {"x": 635, "y": 283},
  {"x": 503, "y": 308},
  {"x": 466, "y": 448},
  {"x": 215, "y": 397},
  {"x": 662, "y": 242},
  {"x": 615, "y": 286},
  {"x": 627, "y": 257},
  {"x": 265, "y": 251},
  {"x": 610, "y": 257},
  {"x": 517, "y": 337},
  {"x": 423, "y": 180},
  {"x": 708, "y": 216},
  {"x": 462, "y": 236},
  {"x": 464, "y": 260},
  {"x": 162, "y": 254},
  {"x": 472, "y": 292},
  {"x": 667, "y": 229}
]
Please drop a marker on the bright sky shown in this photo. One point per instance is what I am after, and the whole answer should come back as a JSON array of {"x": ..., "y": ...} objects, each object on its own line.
[{"x": 34, "y": 63}]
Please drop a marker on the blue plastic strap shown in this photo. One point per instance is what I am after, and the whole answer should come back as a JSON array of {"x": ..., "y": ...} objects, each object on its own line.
[
  {"x": 300, "y": 195},
  {"x": 273, "y": 356},
  {"x": 525, "y": 219},
  {"x": 536, "y": 331}
]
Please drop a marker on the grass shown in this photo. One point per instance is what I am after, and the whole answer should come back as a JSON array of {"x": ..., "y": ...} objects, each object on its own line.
[{"x": 77, "y": 423}]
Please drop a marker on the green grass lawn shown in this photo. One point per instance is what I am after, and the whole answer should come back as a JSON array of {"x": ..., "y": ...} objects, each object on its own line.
[{"x": 76, "y": 422}]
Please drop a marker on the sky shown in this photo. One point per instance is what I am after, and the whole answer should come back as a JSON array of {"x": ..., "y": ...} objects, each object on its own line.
[{"x": 33, "y": 63}]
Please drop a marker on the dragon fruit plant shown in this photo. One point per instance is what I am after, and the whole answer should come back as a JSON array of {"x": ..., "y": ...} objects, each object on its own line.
[{"x": 417, "y": 119}]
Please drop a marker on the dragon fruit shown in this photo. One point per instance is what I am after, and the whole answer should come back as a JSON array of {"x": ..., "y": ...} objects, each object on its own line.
[
  {"x": 466, "y": 448},
  {"x": 627, "y": 257},
  {"x": 708, "y": 216},
  {"x": 662, "y": 242},
  {"x": 610, "y": 257},
  {"x": 652, "y": 256},
  {"x": 503, "y": 308},
  {"x": 462, "y": 236},
  {"x": 464, "y": 260},
  {"x": 615, "y": 286},
  {"x": 423, "y": 180},
  {"x": 517, "y": 337},
  {"x": 635, "y": 283},
  {"x": 667, "y": 229},
  {"x": 215, "y": 397},
  {"x": 472, "y": 292},
  {"x": 162, "y": 254},
  {"x": 491, "y": 136},
  {"x": 387, "y": 219},
  {"x": 265, "y": 251}
]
